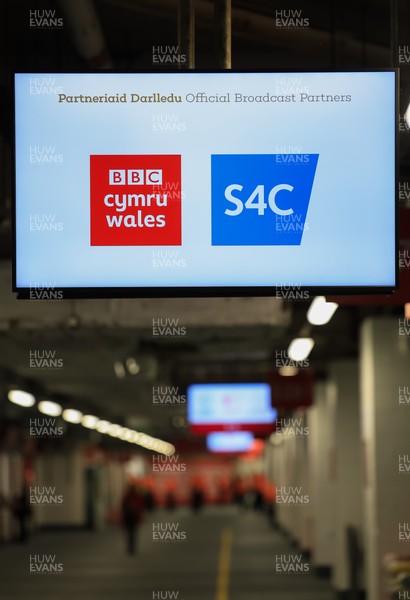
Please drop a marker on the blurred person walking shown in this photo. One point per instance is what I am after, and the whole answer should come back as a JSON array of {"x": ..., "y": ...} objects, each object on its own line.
[
  {"x": 21, "y": 509},
  {"x": 133, "y": 507}
]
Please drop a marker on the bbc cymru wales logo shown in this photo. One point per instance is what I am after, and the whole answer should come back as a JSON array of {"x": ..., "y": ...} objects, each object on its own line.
[
  {"x": 252, "y": 193},
  {"x": 126, "y": 207}
]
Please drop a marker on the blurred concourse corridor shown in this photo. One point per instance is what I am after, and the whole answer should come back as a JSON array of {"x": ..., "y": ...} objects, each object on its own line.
[{"x": 95, "y": 566}]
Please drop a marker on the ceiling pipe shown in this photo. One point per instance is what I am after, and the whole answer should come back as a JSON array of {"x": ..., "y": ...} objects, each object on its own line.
[
  {"x": 223, "y": 33},
  {"x": 86, "y": 32},
  {"x": 186, "y": 33}
]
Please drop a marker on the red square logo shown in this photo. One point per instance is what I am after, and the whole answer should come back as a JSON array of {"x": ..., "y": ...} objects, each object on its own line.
[{"x": 135, "y": 200}]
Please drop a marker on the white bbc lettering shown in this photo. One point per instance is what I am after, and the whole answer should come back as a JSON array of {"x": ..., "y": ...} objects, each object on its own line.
[{"x": 135, "y": 176}]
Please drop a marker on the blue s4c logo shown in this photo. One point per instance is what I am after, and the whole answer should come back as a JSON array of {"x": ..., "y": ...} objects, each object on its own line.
[{"x": 261, "y": 199}]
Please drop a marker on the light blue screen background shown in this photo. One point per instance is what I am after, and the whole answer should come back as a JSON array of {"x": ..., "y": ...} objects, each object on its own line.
[{"x": 350, "y": 220}]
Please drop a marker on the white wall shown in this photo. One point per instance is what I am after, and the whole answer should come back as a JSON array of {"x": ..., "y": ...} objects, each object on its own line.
[{"x": 385, "y": 426}]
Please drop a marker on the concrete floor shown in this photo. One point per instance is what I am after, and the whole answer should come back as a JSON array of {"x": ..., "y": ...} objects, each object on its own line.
[{"x": 227, "y": 555}]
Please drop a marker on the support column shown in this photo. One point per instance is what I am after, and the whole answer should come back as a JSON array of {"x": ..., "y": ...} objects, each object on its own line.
[
  {"x": 348, "y": 508},
  {"x": 186, "y": 32},
  {"x": 321, "y": 480},
  {"x": 385, "y": 417}
]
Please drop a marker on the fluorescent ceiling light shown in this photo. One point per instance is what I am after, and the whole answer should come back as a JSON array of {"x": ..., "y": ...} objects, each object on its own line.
[
  {"x": 50, "y": 408},
  {"x": 90, "y": 421},
  {"x": 132, "y": 366},
  {"x": 320, "y": 312},
  {"x": 103, "y": 426},
  {"x": 114, "y": 430},
  {"x": 21, "y": 398},
  {"x": 123, "y": 433},
  {"x": 71, "y": 415},
  {"x": 300, "y": 348},
  {"x": 119, "y": 369}
]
